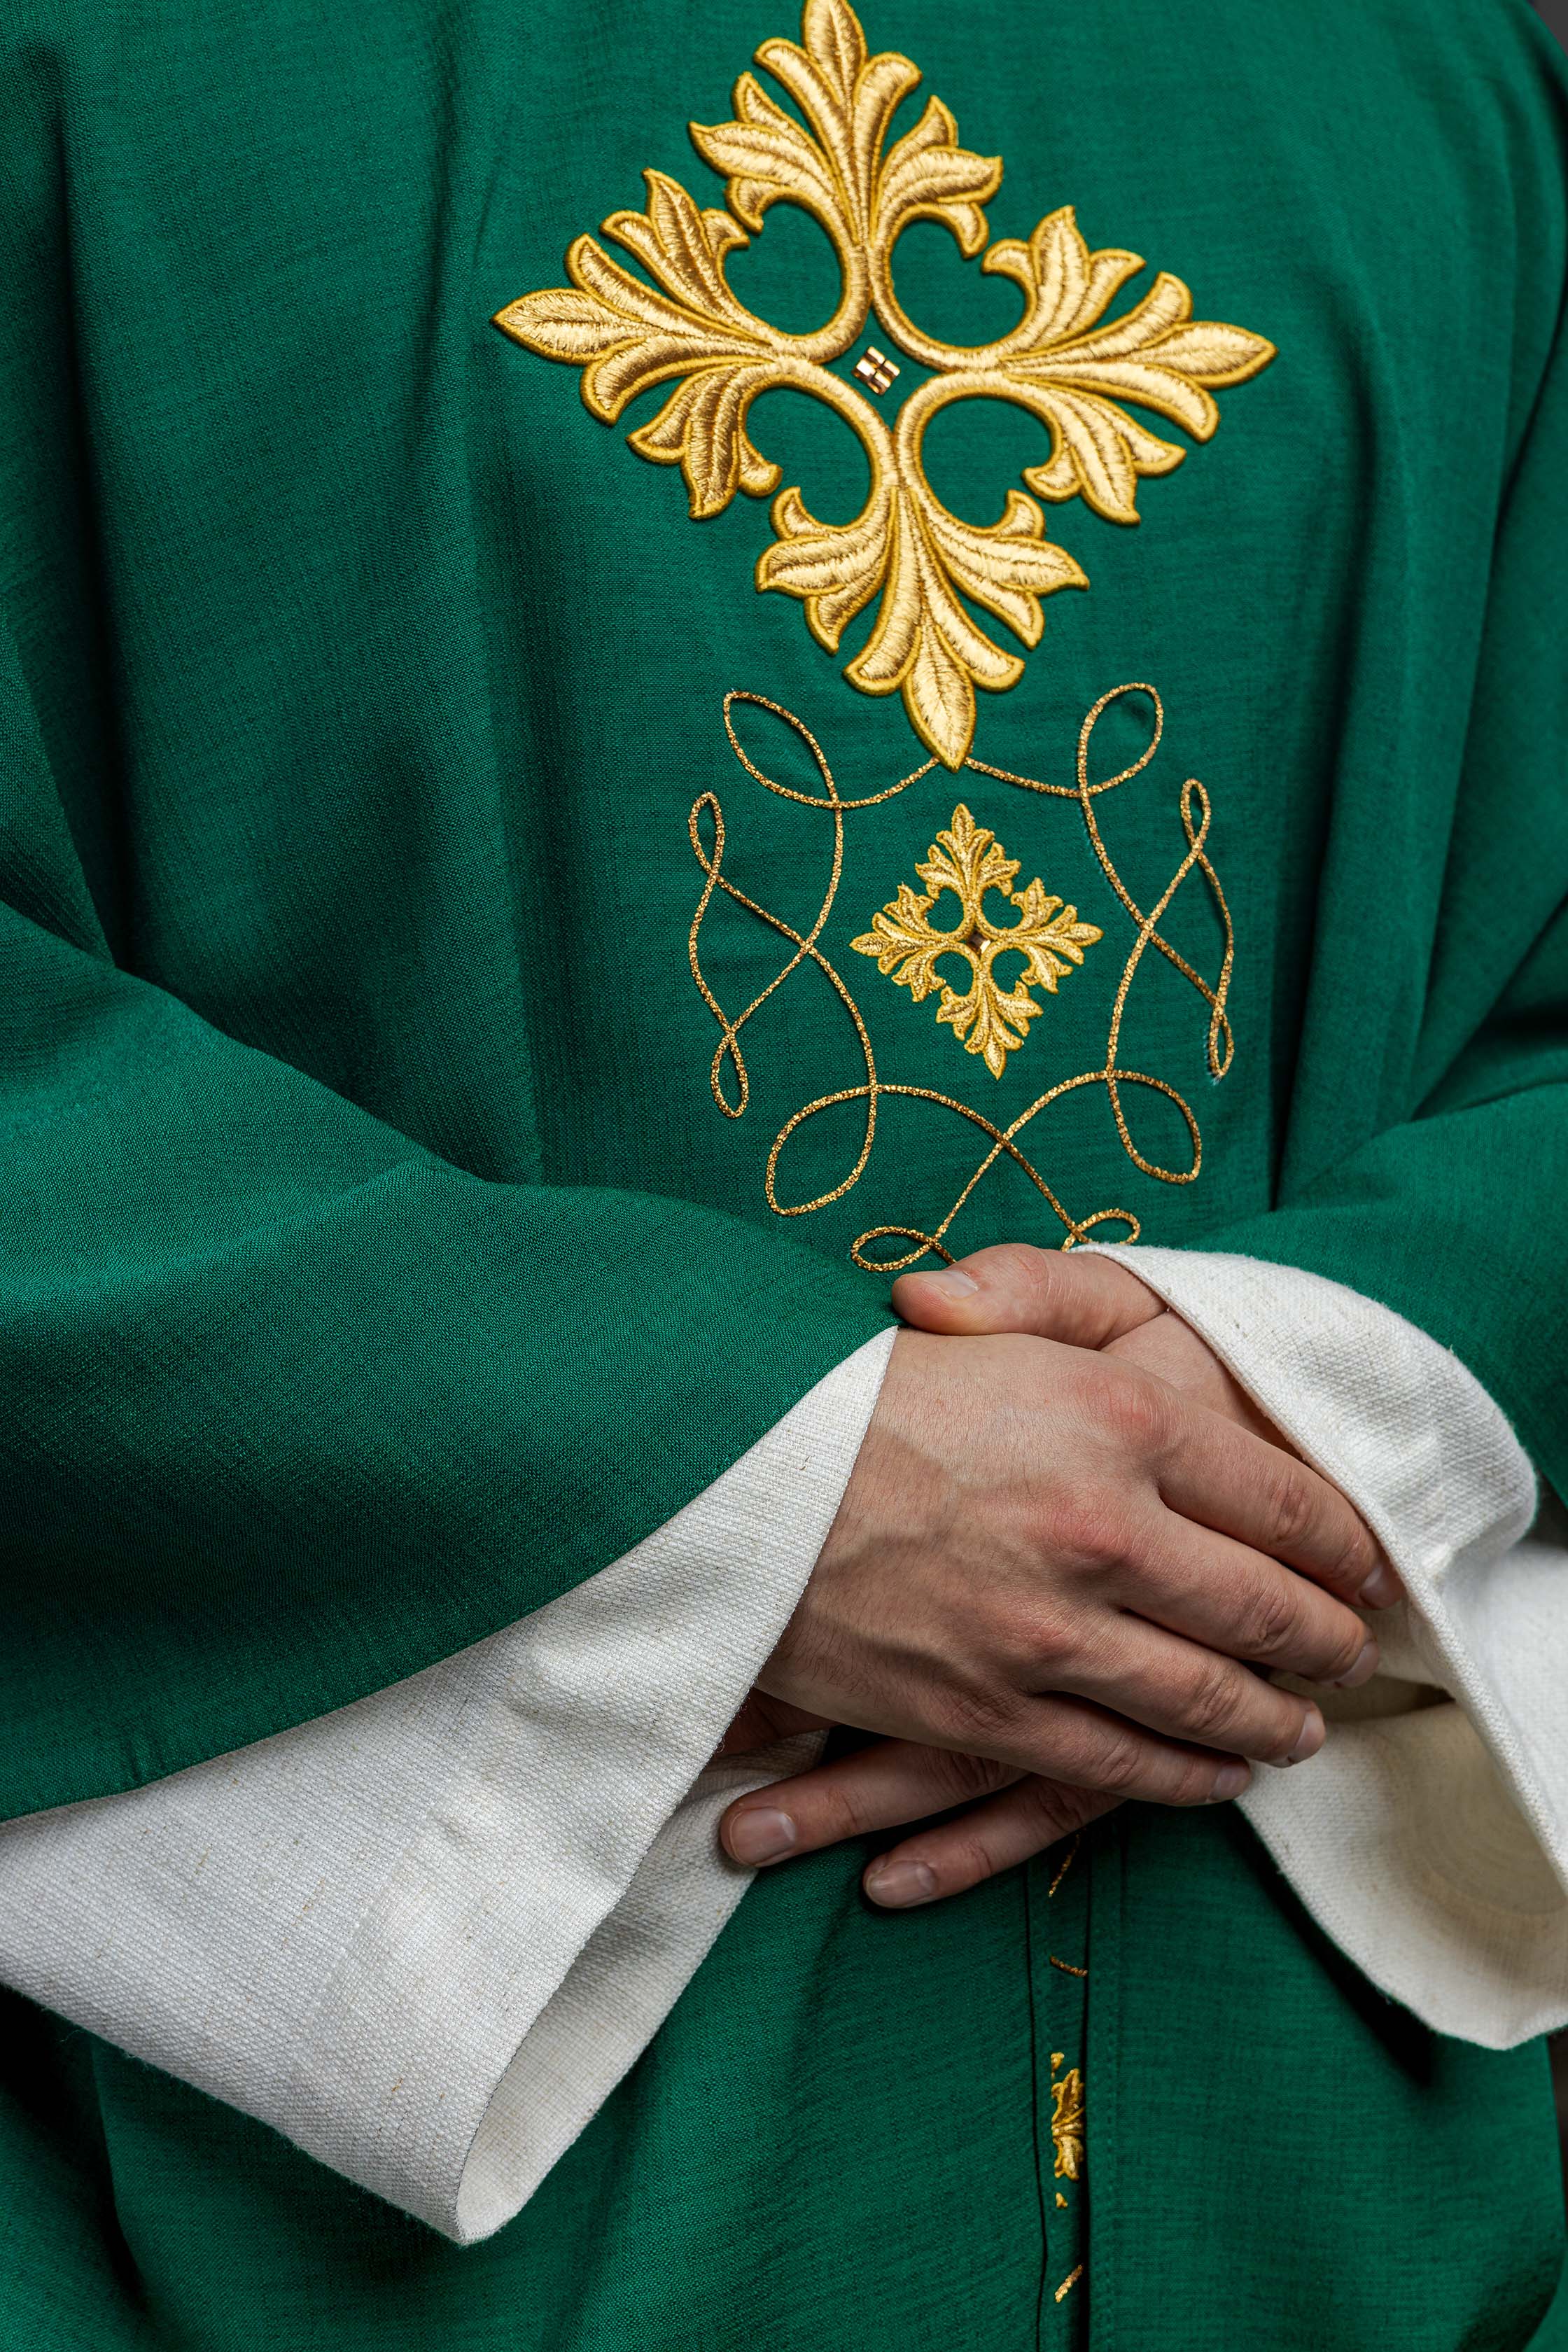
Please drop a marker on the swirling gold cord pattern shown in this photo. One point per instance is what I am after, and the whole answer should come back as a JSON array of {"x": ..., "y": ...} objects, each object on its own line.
[{"x": 1197, "y": 816}]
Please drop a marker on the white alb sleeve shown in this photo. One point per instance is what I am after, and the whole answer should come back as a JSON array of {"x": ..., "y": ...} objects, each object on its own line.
[
  {"x": 1429, "y": 1836},
  {"x": 425, "y": 1936}
]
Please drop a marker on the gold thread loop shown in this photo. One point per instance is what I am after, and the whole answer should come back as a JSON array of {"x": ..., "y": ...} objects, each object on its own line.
[{"x": 1195, "y": 812}]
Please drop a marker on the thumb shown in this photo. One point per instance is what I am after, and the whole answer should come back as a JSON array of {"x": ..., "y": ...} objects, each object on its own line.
[{"x": 1085, "y": 1302}]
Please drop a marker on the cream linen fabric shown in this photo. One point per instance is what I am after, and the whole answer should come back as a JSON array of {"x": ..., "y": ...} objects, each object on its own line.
[
  {"x": 425, "y": 1936},
  {"x": 1430, "y": 1838}
]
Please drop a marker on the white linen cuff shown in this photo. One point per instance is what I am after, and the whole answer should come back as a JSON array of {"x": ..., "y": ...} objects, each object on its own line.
[
  {"x": 424, "y": 1935},
  {"x": 1428, "y": 1839}
]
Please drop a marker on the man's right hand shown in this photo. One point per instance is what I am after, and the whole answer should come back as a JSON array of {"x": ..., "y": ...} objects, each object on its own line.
[{"x": 1048, "y": 1557}]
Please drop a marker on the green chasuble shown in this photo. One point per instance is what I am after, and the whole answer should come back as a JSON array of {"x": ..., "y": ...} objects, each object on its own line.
[{"x": 476, "y": 1030}]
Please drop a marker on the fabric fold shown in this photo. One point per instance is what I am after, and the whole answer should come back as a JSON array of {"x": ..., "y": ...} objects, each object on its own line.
[
  {"x": 353, "y": 1930},
  {"x": 1430, "y": 1838}
]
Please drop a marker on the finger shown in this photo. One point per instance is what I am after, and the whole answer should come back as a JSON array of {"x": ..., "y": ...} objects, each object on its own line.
[
  {"x": 1226, "y": 1478},
  {"x": 1082, "y": 1301},
  {"x": 1063, "y": 1737},
  {"x": 1185, "y": 1691},
  {"x": 1173, "y": 1351},
  {"x": 761, "y": 1720},
  {"x": 955, "y": 1855},
  {"x": 898, "y": 1781},
  {"x": 1217, "y": 1592},
  {"x": 878, "y": 1787}
]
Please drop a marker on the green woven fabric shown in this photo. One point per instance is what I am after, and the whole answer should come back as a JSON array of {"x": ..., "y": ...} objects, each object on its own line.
[
  {"x": 841, "y": 2138},
  {"x": 375, "y": 1262}
]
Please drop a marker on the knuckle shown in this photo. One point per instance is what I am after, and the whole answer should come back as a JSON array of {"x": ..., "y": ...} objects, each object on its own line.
[
  {"x": 958, "y": 1777},
  {"x": 1091, "y": 1530},
  {"x": 1043, "y": 1645},
  {"x": 1290, "y": 1505},
  {"x": 1210, "y": 1708},
  {"x": 1117, "y": 1762},
  {"x": 968, "y": 1858},
  {"x": 838, "y": 1811},
  {"x": 1141, "y": 1411},
  {"x": 1270, "y": 1622},
  {"x": 1022, "y": 1268},
  {"x": 974, "y": 1716}
]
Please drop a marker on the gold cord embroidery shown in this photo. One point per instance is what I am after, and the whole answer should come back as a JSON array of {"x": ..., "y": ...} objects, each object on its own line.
[
  {"x": 1061, "y": 2200},
  {"x": 1063, "y": 1867},
  {"x": 1195, "y": 814},
  {"x": 1062, "y": 362},
  {"x": 1067, "y": 1967},
  {"x": 970, "y": 861},
  {"x": 1067, "y": 2125},
  {"x": 1071, "y": 2280}
]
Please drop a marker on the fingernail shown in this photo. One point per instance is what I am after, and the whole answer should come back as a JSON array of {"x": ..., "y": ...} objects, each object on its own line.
[
  {"x": 951, "y": 1283},
  {"x": 1381, "y": 1588},
  {"x": 1228, "y": 1782},
  {"x": 1314, "y": 1731},
  {"x": 896, "y": 1884},
  {"x": 1364, "y": 1669},
  {"x": 759, "y": 1833}
]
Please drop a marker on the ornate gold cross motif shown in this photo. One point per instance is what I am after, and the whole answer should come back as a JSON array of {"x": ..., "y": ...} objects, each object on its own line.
[
  {"x": 1062, "y": 362},
  {"x": 1067, "y": 2125},
  {"x": 970, "y": 861}
]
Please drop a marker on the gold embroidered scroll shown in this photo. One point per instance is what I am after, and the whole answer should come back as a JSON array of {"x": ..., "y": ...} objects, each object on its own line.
[{"x": 730, "y": 1079}]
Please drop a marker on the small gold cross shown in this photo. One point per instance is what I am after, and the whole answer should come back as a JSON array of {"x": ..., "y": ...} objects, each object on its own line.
[{"x": 873, "y": 368}]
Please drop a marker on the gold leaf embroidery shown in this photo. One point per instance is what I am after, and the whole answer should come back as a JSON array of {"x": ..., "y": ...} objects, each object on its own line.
[
  {"x": 1063, "y": 362},
  {"x": 968, "y": 860},
  {"x": 1067, "y": 2124}
]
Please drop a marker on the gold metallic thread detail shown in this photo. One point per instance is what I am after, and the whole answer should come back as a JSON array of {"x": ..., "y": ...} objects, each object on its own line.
[
  {"x": 1067, "y": 2125},
  {"x": 1061, "y": 2200},
  {"x": 968, "y": 860},
  {"x": 1064, "y": 362},
  {"x": 1071, "y": 2280},
  {"x": 875, "y": 368},
  {"x": 1067, "y": 1967},
  {"x": 1062, "y": 1869},
  {"x": 728, "y": 1068}
]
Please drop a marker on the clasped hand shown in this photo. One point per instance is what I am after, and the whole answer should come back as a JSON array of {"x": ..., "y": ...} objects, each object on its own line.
[{"x": 1067, "y": 1557}]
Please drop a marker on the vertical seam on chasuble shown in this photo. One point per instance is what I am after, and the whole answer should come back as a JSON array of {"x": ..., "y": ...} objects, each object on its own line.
[
  {"x": 1067, "y": 2103},
  {"x": 1064, "y": 363}
]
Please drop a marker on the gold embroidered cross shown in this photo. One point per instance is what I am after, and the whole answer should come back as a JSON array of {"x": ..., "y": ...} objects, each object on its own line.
[
  {"x": 968, "y": 859},
  {"x": 1067, "y": 2126},
  {"x": 1065, "y": 363},
  {"x": 921, "y": 566}
]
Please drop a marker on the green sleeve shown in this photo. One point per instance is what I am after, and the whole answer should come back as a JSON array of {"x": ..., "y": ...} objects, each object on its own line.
[
  {"x": 292, "y": 1407},
  {"x": 1454, "y": 1211}
]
